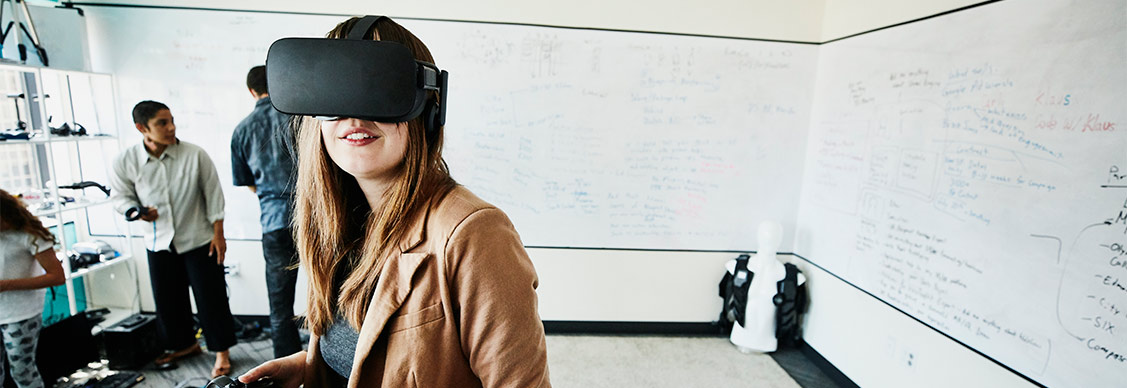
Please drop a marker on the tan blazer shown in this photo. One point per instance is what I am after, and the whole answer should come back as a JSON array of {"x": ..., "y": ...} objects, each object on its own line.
[{"x": 455, "y": 306}]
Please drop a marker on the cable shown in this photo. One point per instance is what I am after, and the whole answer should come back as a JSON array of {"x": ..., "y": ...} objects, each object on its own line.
[
  {"x": 51, "y": 312},
  {"x": 137, "y": 285},
  {"x": 127, "y": 239}
]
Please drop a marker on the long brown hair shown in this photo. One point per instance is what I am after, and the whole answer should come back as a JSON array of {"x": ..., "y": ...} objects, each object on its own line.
[
  {"x": 16, "y": 217},
  {"x": 336, "y": 230}
]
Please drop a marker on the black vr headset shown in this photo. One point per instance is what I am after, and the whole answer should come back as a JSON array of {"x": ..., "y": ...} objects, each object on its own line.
[{"x": 353, "y": 77}]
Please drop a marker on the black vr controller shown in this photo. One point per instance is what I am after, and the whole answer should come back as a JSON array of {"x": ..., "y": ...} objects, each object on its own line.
[
  {"x": 227, "y": 382},
  {"x": 135, "y": 213}
]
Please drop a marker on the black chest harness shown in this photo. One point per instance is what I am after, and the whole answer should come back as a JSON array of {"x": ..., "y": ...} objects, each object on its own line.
[{"x": 790, "y": 301}]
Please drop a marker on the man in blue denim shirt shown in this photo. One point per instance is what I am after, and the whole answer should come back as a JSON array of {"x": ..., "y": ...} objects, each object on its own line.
[{"x": 263, "y": 160}]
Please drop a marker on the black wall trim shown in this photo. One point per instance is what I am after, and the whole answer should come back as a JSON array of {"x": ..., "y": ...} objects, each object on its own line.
[
  {"x": 827, "y": 367},
  {"x": 83, "y": 4},
  {"x": 262, "y": 320},
  {"x": 914, "y": 20},
  {"x": 651, "y": 328},
  {"x": 736, "y": 252},
  {"x": 71, "y": 4},
  {"x": 586, "y": 327}
]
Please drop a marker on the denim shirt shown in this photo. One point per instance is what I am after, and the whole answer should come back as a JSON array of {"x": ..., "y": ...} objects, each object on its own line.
[{"x": 261, "y": 155}]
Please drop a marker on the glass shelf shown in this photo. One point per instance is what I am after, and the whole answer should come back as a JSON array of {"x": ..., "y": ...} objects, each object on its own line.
[
  {"x": 69, "y": 207},
  {"x": 97, "y": 267},
  {"x": 58, "y": 139}
]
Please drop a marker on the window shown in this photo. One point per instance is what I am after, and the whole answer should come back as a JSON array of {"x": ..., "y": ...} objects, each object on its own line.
[{"x": 18, "y": 168}]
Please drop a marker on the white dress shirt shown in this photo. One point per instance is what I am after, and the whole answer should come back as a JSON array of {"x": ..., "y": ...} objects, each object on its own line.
[{"x": 181, "y": 184}]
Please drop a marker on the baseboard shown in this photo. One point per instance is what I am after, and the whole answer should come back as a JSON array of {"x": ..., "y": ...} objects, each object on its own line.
[
  {"x": 607, "y": 327},
  {"x": 584, "y": 327},
  {"x": 261, "y": 320},
  {"x": 828, "y": 368}
]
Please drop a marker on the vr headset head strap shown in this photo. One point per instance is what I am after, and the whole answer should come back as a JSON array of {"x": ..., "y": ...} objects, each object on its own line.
[
  {"x": 362, "y": 27},
  {"x": 431, "y": 77}
]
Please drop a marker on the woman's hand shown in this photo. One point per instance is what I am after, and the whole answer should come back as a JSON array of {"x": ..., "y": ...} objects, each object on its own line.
[{"x": 285, "y": 372}]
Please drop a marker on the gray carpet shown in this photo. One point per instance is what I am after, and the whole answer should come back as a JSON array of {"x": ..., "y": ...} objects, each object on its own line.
[{"x": 591, "y": 361}]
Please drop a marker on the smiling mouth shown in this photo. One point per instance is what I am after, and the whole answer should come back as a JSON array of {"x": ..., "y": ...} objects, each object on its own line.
[{"x": 359, "y": 136}]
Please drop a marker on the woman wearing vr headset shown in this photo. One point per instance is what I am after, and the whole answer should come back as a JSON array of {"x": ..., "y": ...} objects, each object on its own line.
[{"x": 413, "y": 280}]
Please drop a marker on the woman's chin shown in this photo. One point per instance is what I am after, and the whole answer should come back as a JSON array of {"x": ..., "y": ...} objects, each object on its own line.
[{"x": 360, "y": 170}]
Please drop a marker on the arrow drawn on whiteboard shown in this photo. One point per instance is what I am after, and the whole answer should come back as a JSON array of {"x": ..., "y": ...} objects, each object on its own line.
[
  {"x": 1059, "y": 243},
  {"x": 1059, "y": 320},
  {"x": 1060, "y": 283},
  {"x": 1105, "y": 223},
  {"x": 1048, "y": 355},
  {"x": 1018, "y": 158}
]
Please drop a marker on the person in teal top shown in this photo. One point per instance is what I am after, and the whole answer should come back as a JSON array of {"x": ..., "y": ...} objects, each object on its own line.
[{"x": 27, "y": 266}]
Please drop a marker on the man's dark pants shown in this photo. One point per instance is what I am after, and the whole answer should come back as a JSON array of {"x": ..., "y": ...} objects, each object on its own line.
[
  {"x": 170, "y": 273},
  {"x": 281, "y": 278}
]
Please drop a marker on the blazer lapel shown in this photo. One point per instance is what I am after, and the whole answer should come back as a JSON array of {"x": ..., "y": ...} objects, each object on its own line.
[{"x": 392, "y": 289}]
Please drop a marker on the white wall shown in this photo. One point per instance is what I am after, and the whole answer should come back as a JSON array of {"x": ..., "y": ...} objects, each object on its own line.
[
  {"x": 631, "y": 286},
  {"x": 575, "y": 285},
  {"x": 877, "y": 346}
]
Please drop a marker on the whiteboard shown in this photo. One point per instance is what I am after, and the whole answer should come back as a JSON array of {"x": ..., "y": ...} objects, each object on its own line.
[
  {"x": 584, "y": 138},
  {"x": 196, "y": 63},
  {"x": 969, "y": 171}
]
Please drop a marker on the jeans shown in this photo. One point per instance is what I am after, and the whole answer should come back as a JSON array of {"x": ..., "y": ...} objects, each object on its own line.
[{"x": 281, "y": 278}]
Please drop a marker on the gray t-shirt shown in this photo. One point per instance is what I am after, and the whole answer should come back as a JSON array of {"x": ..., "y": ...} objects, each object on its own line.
[
  {"x": 17, "y": 261},
  {"x": 338, "y": 346}
]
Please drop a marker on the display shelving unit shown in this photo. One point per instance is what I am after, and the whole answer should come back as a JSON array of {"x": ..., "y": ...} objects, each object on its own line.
[{"x": 40, "y": 99}]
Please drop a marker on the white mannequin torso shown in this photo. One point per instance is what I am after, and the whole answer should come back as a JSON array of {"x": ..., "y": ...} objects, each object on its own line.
[{"x": 757, "y": 334}]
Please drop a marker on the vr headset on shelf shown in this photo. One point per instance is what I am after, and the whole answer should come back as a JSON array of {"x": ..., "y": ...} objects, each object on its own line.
[
  {"x": 355, "y": 78},
  {"x": 87, "y": 253}
]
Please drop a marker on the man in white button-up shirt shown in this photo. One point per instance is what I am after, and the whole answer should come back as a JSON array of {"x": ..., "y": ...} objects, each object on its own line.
[{"x": 177, "y": 186}]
